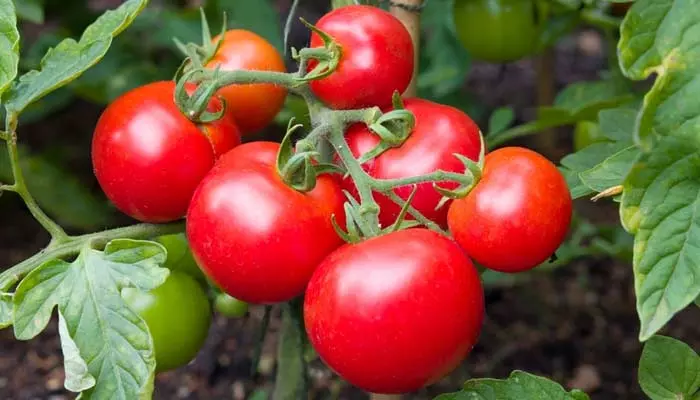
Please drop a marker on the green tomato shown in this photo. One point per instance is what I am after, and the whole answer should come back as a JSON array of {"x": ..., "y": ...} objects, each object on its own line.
[
  {"x": 180, "y": 256},
  {"x": 178, "y": 315},
  {"x": 497, "y": 30},
  {"x": 229, "y": 306},
  {"x": 586, "y": 133}
]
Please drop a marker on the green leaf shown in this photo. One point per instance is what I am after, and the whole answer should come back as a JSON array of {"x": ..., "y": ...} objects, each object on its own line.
[
  {"x": 78, "y": 376},
  {"x": 501, "y": 119},
  {"x": 5, "y": 310},
  {"x": 661, "y": 207},
  {"x": 669, "y": 370},
  {"x": 663, "y": 37},
  {"x": 30, "y": 10},
  {"x": 584, "y": 160},
  {"x": 69, "y": 59},
  {"x": 583, "y": 100},
  {"x": 9, "y": 44},
  {"x": 111, "y": 339},
  {"x": 612, "y": 171},
  {"x": 58, "y": 192},
  {"x": 519, "y": 386},
  {"x": 291, "y": 381},
  {"x": 259, "y": 16},
  {"x": 618, "y": 123}
]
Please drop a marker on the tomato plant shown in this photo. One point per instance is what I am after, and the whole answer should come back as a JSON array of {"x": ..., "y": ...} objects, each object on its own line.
[
  {"x": 252, "y": 106},
  {"x": 149, "y": 158},
  {"x": 230, "y": 306},
  {"x": 249, "y": 231},
  {"x": 180, "y": 256},
  {"x": 586, "y": 133},
  {"x": 178, "y": 315},
  {"x": 497, "y": 30},
  {"x": 440, "y": 131},
  {"x": 414, "y": 283},
  {"x": 517, "y": 215},
  {"x": 376, "y": 57}
]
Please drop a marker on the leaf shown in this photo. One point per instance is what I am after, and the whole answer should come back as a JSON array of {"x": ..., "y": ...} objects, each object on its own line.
[
  {"x": 9, "y": 45},
  {"x": 259, "y": 16},
  {"x": 612, "y": 171},
  {"x": 291, "y": 381},
  {"x": 59, "y": 193},
  {"x": 501, "y": 119},
  {"x": 519, "y": 386},
  {"x": 618, "y": 123},
  {"x": 663, "y": 37},
  {"x": 112, "y": 340},
  {"x": 661, "y": 207},
  {"x": 583, "y": 100},
  {"x": 584, "y": 160},
  {"x": 69, "y": 59},
  {"x": 669, "y": 369},
  {"x": 30, "y": 10},
  {"x": 78, "y": 377},
  {"x": 5, "y": 310}
]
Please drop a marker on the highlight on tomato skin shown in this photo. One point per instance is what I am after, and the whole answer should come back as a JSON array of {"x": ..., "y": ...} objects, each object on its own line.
[
  {"x": 252, "y": 106},
  {"x": 396, "y": 312},
  {"x": 517, "y": 215},
  {"x": 377, "y": 58},
  {"x": 256, "y": 238},
  {"x": 149, "y": 158}
]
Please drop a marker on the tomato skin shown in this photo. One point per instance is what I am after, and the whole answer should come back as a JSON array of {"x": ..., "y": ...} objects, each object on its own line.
[
  {"x": 396, "y": 312},
  {"x": 517, "y": 215},
  {"x": 440, "y": 131},
  {"x": 252, "y": 106},
  {"x": 256, "y": 238},
  {"x": 180, "y": 256},
  {"x": 497, "y": 30},
  {"x": 149, "y": 158},
  {"x": 178, "y": 315},
  {"x": 229, "y": 306},
  {"x": 376, "y": 60}
]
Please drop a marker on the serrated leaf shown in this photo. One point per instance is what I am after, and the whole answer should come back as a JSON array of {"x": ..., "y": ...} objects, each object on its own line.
[
  {"x": 583, "y": 100},
  {"x": 661, "y": 207},
  {"x": 69, "y": 59},
  {"x": 612, "y": 171},
  {"x": 9, "y": 44},
  {"x": 501, "y": 119},
  {"x": 669, "y": 369},
  {"x": 78, "y": 377},
  {"x": 618, "y": 123},
  {"x": 30, "y": 10},
  {"x": 291, "y": 381},
  {"x": 5, "y": 310},
  {"x": 584, "y": 160},
  {"x": 106, "y": 332},
  {"x": 663, "y": 37},
  {"x": 519, "y": 386}
]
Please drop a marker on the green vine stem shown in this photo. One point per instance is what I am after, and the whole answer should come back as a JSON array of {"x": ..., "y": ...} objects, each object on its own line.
[{"x": 73, "y": 244}]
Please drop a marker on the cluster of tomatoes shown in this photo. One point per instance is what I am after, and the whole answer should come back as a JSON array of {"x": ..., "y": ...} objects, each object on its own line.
[{"x": 390, "y": 313}]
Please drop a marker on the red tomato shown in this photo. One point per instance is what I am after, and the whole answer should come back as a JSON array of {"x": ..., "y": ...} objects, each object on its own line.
[
  {"x": 376, "y": 60},
  {"x": 256, "y": 238},
  {"x": 252, "y": 106},
  {"x": 149, "y": 158},
  {"x": 440, "y": 131},
  {"x": 396, "y": 312},
  {"x": 518, "y": 214}
]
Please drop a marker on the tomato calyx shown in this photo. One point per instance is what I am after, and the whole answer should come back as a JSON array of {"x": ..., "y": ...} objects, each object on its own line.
[
  {"x": 195, "y": 106},
  {"x": 393, "y": 128},
  {"x": 199, "y": 54},
  {"x": 472, "y": 173},
  {"x": 326, "y": 58},
  {"x": 297, "y": 165}
]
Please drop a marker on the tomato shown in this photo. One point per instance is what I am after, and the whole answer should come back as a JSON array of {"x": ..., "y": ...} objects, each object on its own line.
[
  {"x": 230, "y": 306},
  {"x": 497, "y": 30},
  {"x": 178, "y": 315},
  {"x": 149, "y": 158},
  {"x": 517, "y": 215},
  {"x": 395, "y": 312},
  {"x": 180, "y": 256},
  {"x": 586, "y": 133},
  {"x": 252, "y": 106},
  {"x": 376, "y": 60},
  {"x": 440, "y": 131},
  {"x": 256, "y": 238}
]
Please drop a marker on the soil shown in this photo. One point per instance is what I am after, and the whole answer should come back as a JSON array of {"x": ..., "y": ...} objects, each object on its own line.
[{"x": 577, "y": 325}]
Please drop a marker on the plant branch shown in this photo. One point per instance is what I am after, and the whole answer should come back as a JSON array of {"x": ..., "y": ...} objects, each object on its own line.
[{"x": 74, "y": 244}]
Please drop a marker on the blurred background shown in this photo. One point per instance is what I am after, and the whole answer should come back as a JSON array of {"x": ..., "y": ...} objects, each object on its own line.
[{"x": 573, "y": 320}]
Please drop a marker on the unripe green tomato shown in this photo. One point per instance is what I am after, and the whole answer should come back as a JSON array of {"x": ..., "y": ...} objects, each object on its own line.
[
  {"x": 180, "y": 256},
  {"x": 497, "y": 30},
  {"x": 586, "y": 133},
  {"x": 178, "y": 315},
  {"x": 229, "y": 306}
]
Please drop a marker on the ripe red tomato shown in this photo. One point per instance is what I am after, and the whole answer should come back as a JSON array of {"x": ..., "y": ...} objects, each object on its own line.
[
  {"x": 252, "y": 106},
  {"x": 376, "y": 60},
  {"x": 440, "y": 131},
  {"x": 396, "y": 312},
  {"x": 256, "y": 238},
  {"x": 518, "y": 214},
  {"x": 149, "y": 158}
]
